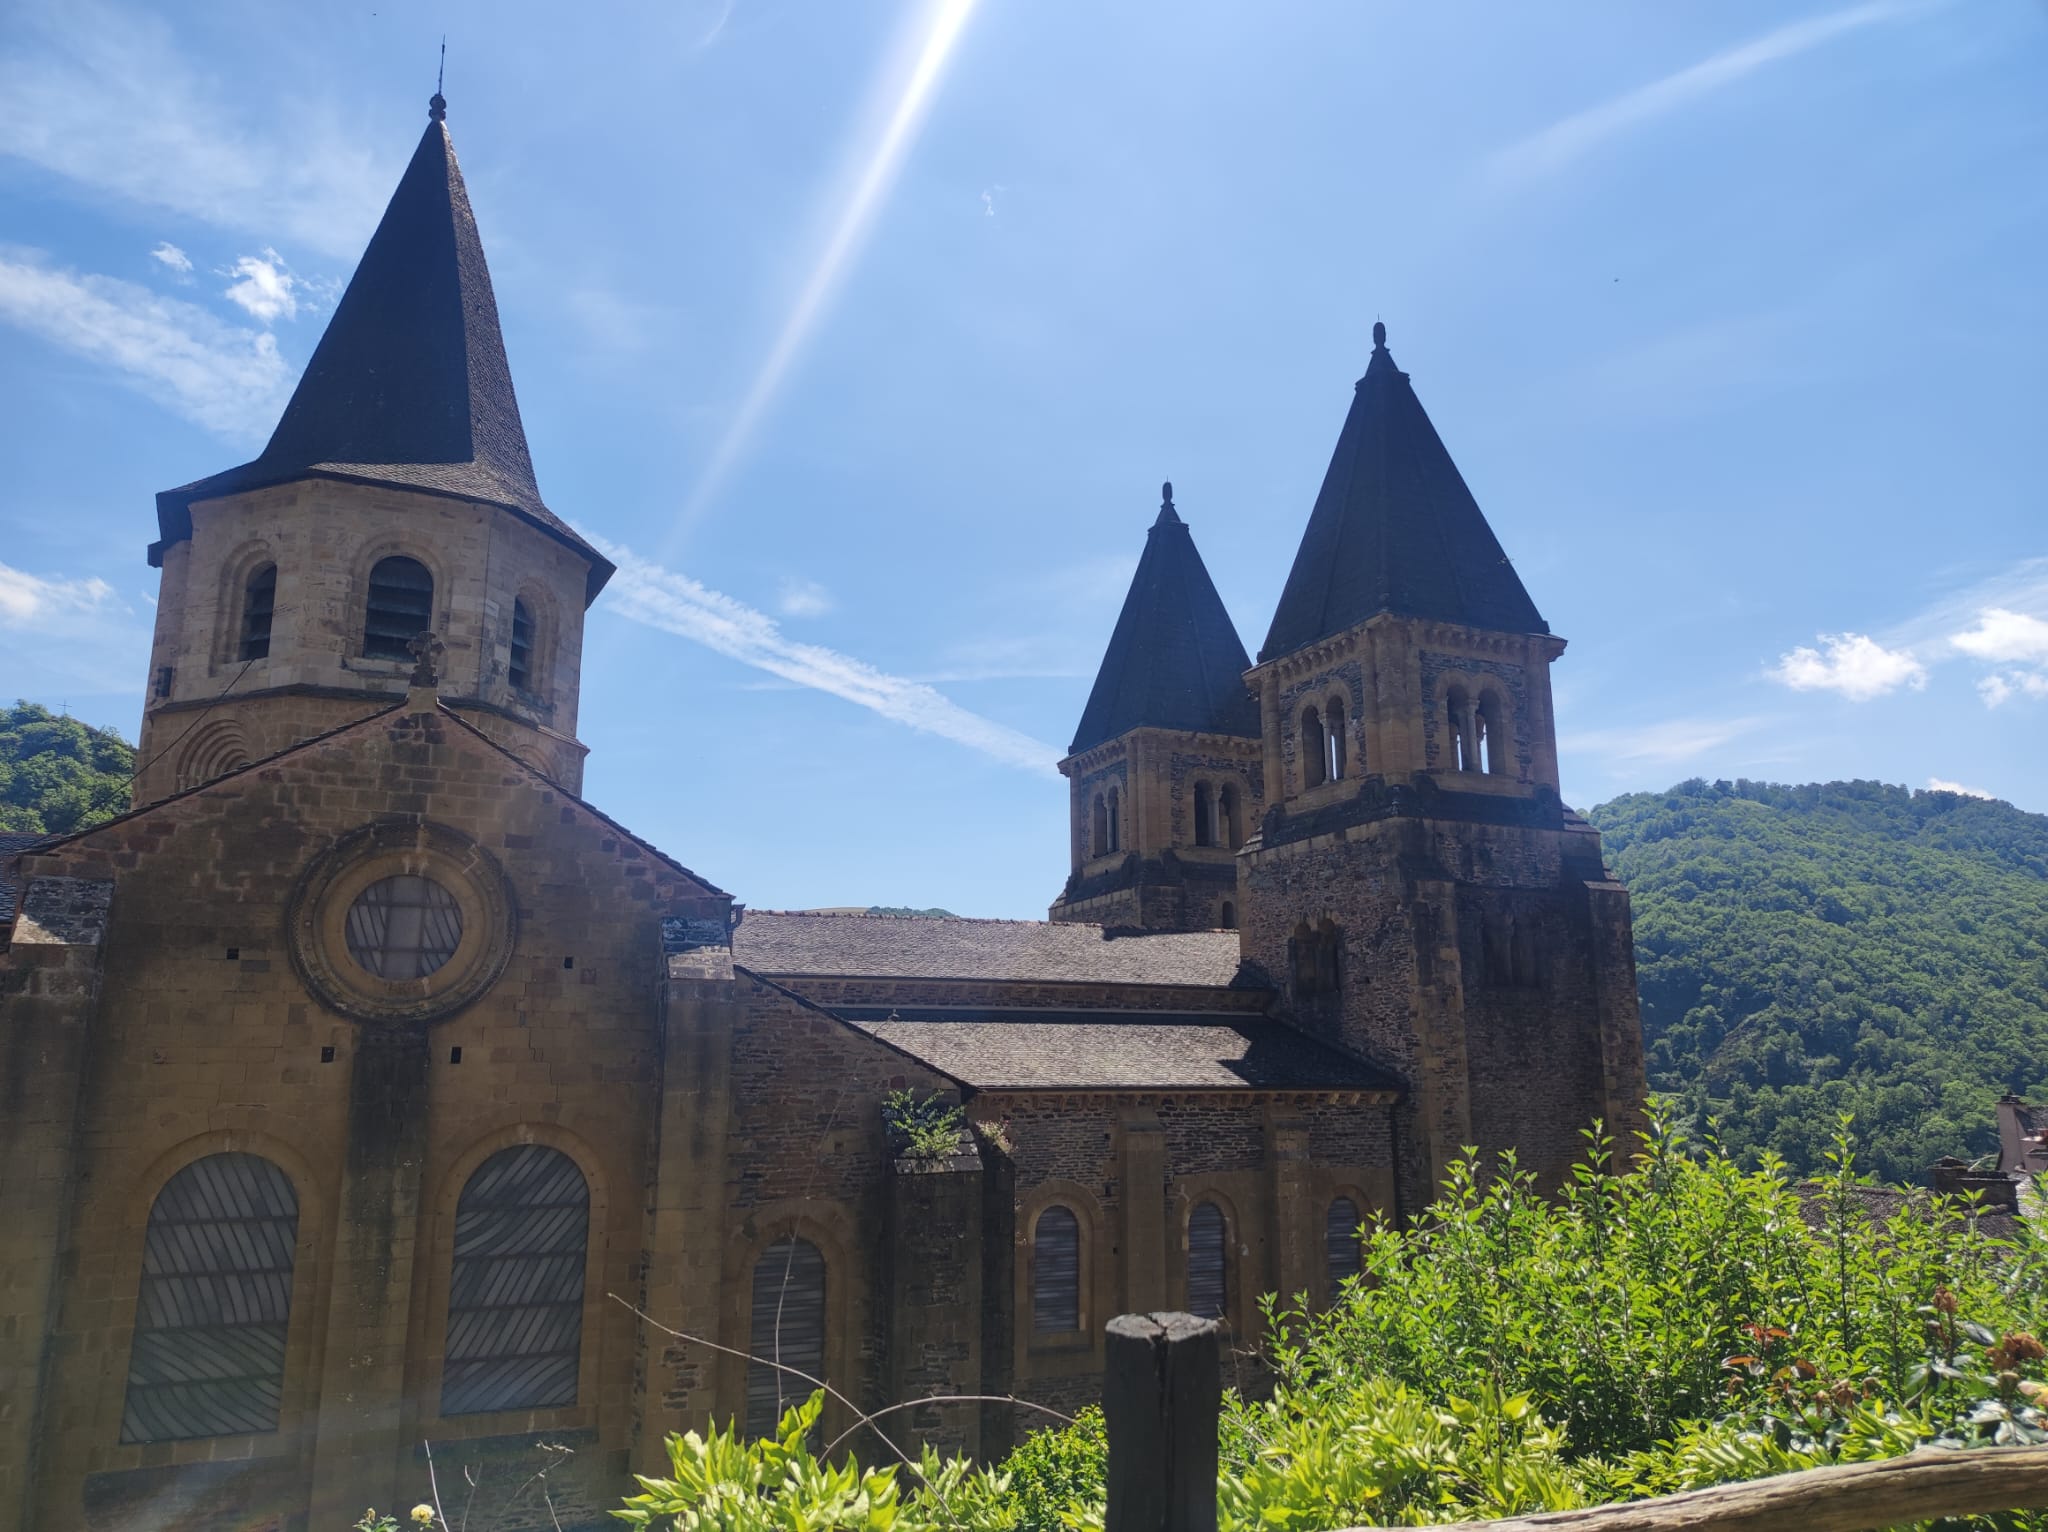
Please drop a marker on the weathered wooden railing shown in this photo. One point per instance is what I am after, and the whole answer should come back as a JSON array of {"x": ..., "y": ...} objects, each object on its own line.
[{"x": 1163, "y": 1392}]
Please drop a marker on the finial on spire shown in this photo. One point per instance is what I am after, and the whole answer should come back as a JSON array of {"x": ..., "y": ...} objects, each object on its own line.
[
  {"x": 437, "y": 108},
  {"x": 1166, "y": 493},
  {"x": 1379, "y": 336}
]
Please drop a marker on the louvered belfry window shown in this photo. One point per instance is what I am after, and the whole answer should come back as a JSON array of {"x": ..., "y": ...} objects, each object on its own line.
[
  {"x": 259, "y": 605},
  {"x": 515, "y": 1297},
  {"x": 520, "y": 671},
  {"x": 1341, "y": 1253},
  {"x": 1208, "y": 1262},
  {"x": 1056, "y": 1272},
  {"x": 788, "y": 1327},
  {"x": 215, "y": 1303},
  {"x": 401, "y": 608}
]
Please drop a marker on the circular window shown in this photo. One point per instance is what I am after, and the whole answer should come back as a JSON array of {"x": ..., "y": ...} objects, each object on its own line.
[
  {"x": 401, "y": 922},
  {"x": 404, "y": 927}
]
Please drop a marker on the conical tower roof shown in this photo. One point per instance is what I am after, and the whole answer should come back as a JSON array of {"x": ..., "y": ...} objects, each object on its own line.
[
  {"x": 1174, "y": 660},
  {"x": 409, "y": 386},
  {"x": 1395, "y": 530}
]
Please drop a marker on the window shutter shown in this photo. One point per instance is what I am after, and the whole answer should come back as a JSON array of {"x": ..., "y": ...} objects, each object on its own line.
[
  {"x": 515, "y": 1297},
  {"x": 215, "y": 1303},
  {"x": 1056, "y": 1272},
  {"x": 401, "y": 607},
  {"x": 1208, "y": 1263},
  {"x": 1340, "y": 1242},
  {"x": 788, "y": 1327}
]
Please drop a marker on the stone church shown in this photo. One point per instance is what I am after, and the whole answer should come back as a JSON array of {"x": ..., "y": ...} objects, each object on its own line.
[{"x": 366, "y": 1094}]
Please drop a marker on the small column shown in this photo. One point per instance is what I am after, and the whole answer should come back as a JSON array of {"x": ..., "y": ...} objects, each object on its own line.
[
  {"x": 1287, "y": 1205},
  {"x": 1141, "y": 1156}
]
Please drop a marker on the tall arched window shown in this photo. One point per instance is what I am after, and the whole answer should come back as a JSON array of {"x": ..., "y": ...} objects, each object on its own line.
[
  {"x": 515, "y": 1296},
  {"x": 1208, "y": 1262},
  {"x": 788, "y": 1326},
  {"x": 519, "y": 671},
  {"x": 1333, "y": 725},
  {"x": 1315, "y": 761},
  {"x": 259, "y": 605},
  {"x": 1056, "y": 1272},
  {"x": 215, "y": 1303},
  {"x": 1233, "y": 831},
  {"x": 1116, "y": 827},
  {"x": 1341, "y": 1254},
  {"x": 1458, "y": 740},
  {"x": 401, "y": 607},
  {"x": 1229, "y": 916},
  {"x": 1205, "y": 816},
  {"x": 1098, "y": 842},
  {"x": 1492, "y": 752}
]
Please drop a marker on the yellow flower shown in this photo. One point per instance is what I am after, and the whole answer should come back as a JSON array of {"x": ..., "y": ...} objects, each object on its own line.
[{"x": 423, "y": 1514}]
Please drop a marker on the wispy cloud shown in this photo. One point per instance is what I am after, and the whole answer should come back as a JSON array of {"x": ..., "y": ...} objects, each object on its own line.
[
  {"x": 2000, "y": 688},
  {"x": 173, "y": 257},
  {"x": 43, "y": 601},
  {"x": 267, "y": 289},
  {"x": 102, "y": 95},
  {"x": 1672, "y": 742},
  {"x": 226, "y": 379},
  {"x": 803, "y": 598},
  {"x": 1943, "y": 785},
  {"x": 1567, "y": 140},
  {"x": 2005, "y": 636},
  {"x": 674, "y": 603},
  {"x": 1853, "y": 664}
]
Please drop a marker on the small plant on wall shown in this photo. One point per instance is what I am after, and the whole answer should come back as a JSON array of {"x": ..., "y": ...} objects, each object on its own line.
[{"x": 928, "y": 1127}]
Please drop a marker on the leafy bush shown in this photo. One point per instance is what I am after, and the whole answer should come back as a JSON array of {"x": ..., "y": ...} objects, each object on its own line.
[
  {"x": 928, "y": 1126},
  {"x": 58, "y": 775}
]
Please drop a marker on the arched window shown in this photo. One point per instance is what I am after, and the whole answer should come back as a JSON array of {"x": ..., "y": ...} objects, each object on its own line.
[
  {"x": 1229, "y": 916},
  {"x": 520, "y": 670},
  {"x": 1056, "y": 1272},
  {"x": 515, "y": 1296},
  {"x": 1233, "y": 832},
  {"x": 215, "y": 1303},
  {"x": 1116, "y": 828},
  {"x": 1491, "y": 755},
  {"x": 401, "y": 607},
  {"x": 1333, "y": 722},
  {"x": 1098, "y": 843},
  {"x": 1315, "y": 762},
  {"x": 1208, "y": 1262},
  {"x": 788, "y": 1327},
  {"x": 1458, "y": 741},
  {"x": 1341, "y": 1254},
  {"x": 259, "y": 605},
  {"x": 1205, "y": 816},
  {"x": 1329, "y": 958}
]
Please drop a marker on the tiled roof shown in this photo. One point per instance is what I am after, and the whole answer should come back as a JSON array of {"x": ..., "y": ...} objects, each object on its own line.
[
  {"x": 1395, "y": 530},
  {"x": 409, "y": 386},
  {"x": 1881, "y": 1204},
  {"x": 889, "y": 946},
  {"x": 1174, "y": 660},
  {"x": 11, "y": 846},
  {"x": 1106, "y": 1050}
]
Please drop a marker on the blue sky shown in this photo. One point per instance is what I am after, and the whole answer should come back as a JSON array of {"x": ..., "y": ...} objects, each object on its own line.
[{"x": 866, "y": 333}]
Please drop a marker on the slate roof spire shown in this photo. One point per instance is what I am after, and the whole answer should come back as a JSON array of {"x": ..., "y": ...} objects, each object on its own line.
[
  {"x": 1395, "y": 530},
  {"x": 1174, "y": 660},
  {"x": 409, "y": 386}
]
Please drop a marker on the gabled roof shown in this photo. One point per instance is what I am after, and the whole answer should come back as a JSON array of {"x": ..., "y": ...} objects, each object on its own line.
[
  {"x": 1395, "y": 530},
  {"x": 780, "y": 944},
  {"x": 409, "y": 386},
  {"x": 1174, "y": 660}
]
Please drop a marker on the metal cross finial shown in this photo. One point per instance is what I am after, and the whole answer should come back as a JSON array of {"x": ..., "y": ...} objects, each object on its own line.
[{"x": 437, "y": 109}]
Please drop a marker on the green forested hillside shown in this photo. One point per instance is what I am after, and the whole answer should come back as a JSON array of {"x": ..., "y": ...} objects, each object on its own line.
[
  {"x": 57, "y": 774},
  {"x": 1805, "y": 951}
]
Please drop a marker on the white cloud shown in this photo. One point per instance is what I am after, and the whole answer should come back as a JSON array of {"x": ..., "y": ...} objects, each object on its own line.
[
  {"x": 1669, "y": 743},
  {"x": 1997, "y": 689},
  {"x": 803, "y": 598},
  {"x": 1943, "y": 785},
  {"x": 675, "y": 603},
  {"x": 2005, "y": 636},
  {"x": 1568, "y": 139},
  {"x": 1853, "y": 664},
  {"x": 264, "y": 287},
  {"x": 28, "y": 600},
  {"x": 102, "y": 94},
  {"x": 173, "y": 257},
  {"x": 226, "y": 379}
]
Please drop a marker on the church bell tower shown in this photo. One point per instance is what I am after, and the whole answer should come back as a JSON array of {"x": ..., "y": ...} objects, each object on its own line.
[
  {"x": 396, "y": 497},
  {"x": 1417, "y": 886}
]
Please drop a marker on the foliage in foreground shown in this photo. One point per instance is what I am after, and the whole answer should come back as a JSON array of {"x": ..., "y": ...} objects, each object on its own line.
[
  {"x": 58, "y": 775},
  {"x": 1638, "y": 1335}
]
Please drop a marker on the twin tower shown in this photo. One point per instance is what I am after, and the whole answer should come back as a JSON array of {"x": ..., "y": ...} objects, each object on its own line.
[{"x": 1374, "y": 805}]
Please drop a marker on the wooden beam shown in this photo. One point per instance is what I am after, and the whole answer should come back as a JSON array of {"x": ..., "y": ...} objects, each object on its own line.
[{"x": 1162, "y": 1391}]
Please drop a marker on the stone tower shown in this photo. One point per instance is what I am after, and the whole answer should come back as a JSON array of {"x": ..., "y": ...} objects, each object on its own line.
[
  {"x": 1165, "y": 773},
  {"x": 1417, "y": 884},
  {"x": 396, "y": 496}
]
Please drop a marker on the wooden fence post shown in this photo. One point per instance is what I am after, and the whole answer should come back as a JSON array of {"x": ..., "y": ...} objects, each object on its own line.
[{"x": 1162, "y": 1392}]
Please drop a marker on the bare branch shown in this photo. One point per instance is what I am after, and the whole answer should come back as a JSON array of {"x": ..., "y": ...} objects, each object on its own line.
[{"x": 911, "y": 1404}]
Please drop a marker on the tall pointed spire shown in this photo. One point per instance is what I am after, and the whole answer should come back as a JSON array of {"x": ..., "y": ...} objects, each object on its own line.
[
  {"x": 1174, "y": 660},
  {"x": 409, "y": 386},
  {"x": 1395, "y": 530}
]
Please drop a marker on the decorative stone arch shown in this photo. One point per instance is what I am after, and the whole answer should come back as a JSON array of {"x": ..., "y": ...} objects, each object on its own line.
[
  {"x": 434, "y": 1279},
  {"x": 836, "y": 1233},
  {"x": 1189, "y": 1196},
  {"x": 211, "y": 749},
  {"x": 1095, "y": 1275},
  {"x": 241, "y": 561},
  {"x": 368, "y": 557}
]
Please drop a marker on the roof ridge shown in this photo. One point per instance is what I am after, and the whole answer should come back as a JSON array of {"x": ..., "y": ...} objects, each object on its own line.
[{"x": 973, "y": 920}]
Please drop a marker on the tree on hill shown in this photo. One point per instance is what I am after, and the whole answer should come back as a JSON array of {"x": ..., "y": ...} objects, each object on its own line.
[
  {"x": 1848, "y": 946},
  {"x": 57, "y": 774}
]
